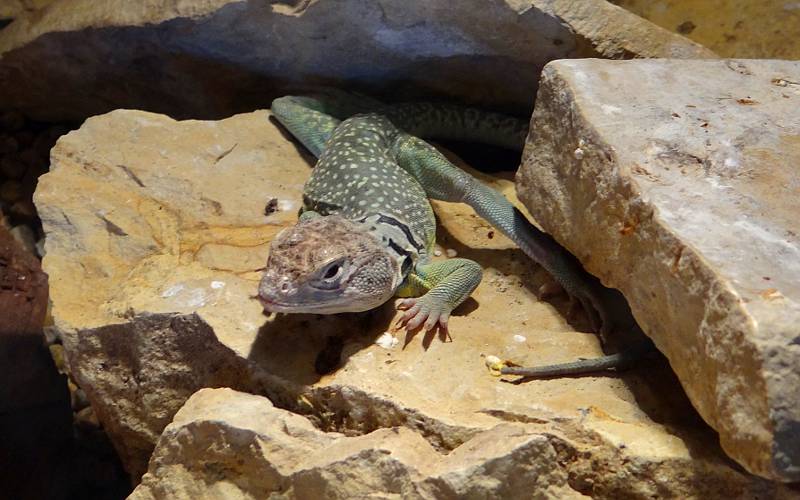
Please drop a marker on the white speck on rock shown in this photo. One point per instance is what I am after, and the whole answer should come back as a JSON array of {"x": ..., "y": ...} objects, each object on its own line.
[
  {"x": 172, "y": 291},
  {"x": 610, "y": 109},
  {"x": 183, "y": 297},
  {"x": 520, "y": 338},
  {"x": 216, "y": 285},
  {"x": 387, "y": 341},
  {"x": 196, "y": 298},
  {"x": 578, "y": 154}
]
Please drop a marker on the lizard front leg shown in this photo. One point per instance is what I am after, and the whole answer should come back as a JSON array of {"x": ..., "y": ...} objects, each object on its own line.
[
  {"x": 443, "y": 286},
  {"x": 444, "y": 181}
]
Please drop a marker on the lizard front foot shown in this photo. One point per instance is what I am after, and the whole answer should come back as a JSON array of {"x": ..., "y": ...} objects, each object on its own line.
[{"x": 423, "y": 311}]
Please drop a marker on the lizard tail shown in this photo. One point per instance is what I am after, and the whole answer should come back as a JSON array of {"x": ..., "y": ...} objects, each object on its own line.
[
  {"x": 421, "y": 119},
  {"x": 618, "y": 361},
  {"x": 459, "y": 123}
]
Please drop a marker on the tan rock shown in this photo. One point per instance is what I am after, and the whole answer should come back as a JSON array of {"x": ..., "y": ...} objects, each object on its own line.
[
  {"x": 10, "y": 9},
  {"x": 676, "y": 182},
  {"x": 734, "y": 28},
  {"x": 213, "y": 58},
  {"x": 155, "y": 235},
  {"x": 267, "y": 451}
]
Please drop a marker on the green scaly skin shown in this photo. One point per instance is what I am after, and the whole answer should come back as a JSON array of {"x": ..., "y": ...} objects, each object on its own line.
[{"x": 374, "y": 170}]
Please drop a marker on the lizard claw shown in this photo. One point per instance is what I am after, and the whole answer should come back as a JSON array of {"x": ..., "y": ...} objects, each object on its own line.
[{"x": 421, "y": 312}]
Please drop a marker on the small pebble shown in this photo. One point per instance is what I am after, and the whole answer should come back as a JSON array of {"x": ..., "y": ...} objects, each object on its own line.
[
  {"x": 451, "y": 253},
  {"x": 492, "y": 360},
  {"x": 519, "y": 338},
  {"x": 25, "y": 237},
  {"x": 387, "y": 341},
  {"x": 271, "y": 207},
  {"x": 578, "y": 154},
  {"x": 40, "y": 248},
  {"x": 10, "y": 191},
  {"x": 437, "y": 252}
]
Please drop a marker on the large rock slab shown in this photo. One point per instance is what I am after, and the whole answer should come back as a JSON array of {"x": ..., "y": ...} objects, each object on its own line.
[
  {"x": 212, "y": 58},
  {"x": 679, "y": 184},
  {"x": 156, "y": 231}
]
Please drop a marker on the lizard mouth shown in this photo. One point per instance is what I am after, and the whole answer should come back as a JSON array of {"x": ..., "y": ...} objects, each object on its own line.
[
  {"x": 271, "y": 305},
  {"x": 274, "y": 306}
]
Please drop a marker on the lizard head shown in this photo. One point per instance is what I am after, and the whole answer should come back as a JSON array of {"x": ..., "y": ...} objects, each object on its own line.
[{"x": 327, "y": 265}]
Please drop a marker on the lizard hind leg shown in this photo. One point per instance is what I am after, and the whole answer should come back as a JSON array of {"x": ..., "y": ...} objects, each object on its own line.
[{"x": 444, "y": 181}]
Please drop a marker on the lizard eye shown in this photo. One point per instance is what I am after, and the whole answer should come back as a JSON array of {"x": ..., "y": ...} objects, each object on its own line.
[
  {"x": 333, "y": 272},
  {"x": 328, "y": 277}
]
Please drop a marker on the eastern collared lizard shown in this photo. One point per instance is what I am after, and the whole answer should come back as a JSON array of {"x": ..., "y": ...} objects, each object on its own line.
[{"x": 367, "y": 230}]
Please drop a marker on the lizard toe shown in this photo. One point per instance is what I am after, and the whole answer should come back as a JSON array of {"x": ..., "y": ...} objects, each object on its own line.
[
  {"x": 417, "y": 320},
  {"x": 404, "y": 304},
  {"x": 422, "y": 313}
]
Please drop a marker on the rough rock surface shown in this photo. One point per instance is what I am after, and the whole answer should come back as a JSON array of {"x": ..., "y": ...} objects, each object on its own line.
[
  {"x": 733, "y": 28},
  {"x": 212, "y": 58},
  {"x": 267, "y": 451},
  {"x": 677, "y": 182},
  {"x": 156, "y": 230}
]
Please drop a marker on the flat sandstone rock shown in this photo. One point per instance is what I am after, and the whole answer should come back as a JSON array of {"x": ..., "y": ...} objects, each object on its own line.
[
  {"x": 156, "y": 231},
  {"x": 678, "y": 182}
]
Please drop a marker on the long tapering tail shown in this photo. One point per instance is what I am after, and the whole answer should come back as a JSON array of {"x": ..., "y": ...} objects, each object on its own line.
[{"x": 618, "y": 361}]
